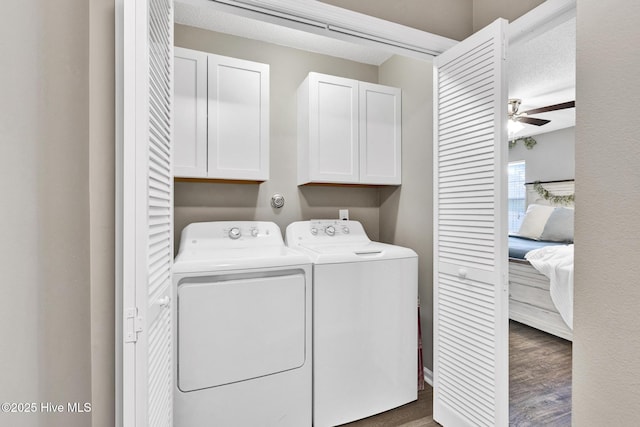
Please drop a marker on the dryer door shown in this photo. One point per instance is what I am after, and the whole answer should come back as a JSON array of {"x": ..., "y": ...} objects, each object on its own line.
[{"x": 237, "y": 327}]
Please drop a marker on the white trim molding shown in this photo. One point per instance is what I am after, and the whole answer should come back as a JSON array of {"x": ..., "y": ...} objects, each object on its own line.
[
  {"x": 428, "y": 376},
  {"x": 330, "y": 21},
  {"x": 548, "y": 15}
]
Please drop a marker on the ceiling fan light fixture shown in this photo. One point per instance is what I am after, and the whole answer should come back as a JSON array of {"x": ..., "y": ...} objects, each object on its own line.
[
  {"x": 512, "y": 108},
  {"x": 514, "y": 127}
]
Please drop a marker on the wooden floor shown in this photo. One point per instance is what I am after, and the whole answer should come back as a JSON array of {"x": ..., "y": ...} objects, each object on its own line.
[
  {"x": 414, "y": 414},
  {"x": 539, "y": 378},
  {"x": 539, "y": 386}
]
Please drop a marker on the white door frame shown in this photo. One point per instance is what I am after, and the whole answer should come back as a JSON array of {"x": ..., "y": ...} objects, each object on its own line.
[
  {"x": 139, "y": 192},
  {"x": 538, "y": 20}
]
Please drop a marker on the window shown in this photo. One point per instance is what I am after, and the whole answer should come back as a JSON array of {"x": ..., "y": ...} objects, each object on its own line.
[{"x": 517, "y": 195}]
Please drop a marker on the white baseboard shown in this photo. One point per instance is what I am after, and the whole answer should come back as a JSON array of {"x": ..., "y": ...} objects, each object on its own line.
[{"x": 428, "y": 376}]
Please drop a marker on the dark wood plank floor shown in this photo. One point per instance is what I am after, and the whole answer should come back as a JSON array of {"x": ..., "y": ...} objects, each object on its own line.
[
  {"x": 539, "y": 378},
  {"x": 414, "y": 414},
  {"x": 539, "y": 386}
]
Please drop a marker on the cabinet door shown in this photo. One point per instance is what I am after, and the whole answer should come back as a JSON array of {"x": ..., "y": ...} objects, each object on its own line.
[
  {"x": 238, "y": 119},
  {"x": 333, "y": 129},
  {"x": 380, "y": 134},
  {"x": 190, "y": 122}
]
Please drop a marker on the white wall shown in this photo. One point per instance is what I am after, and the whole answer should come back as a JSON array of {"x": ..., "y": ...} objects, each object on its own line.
[
  {"x": 551, "y": 159},
  {"x": 606, "y": 346}
]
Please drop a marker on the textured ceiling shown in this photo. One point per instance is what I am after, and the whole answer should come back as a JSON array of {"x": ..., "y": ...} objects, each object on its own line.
[{"x": 542, "y": 71}]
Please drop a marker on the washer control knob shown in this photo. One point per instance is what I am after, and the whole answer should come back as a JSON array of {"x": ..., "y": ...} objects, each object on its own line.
[
  {"x": 330, "y": 230},
  {"x": 234, "y": 233},
  {"x": 345, "y": 230},
  {"x": 254, "y": 232},
  {"x": 314, "y": 231}
]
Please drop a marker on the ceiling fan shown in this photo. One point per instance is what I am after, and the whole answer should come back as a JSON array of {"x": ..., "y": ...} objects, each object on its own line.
[{"x": 523, "y": 117}]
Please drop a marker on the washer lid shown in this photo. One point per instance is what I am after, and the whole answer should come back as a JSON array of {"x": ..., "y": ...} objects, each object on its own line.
[
  {"x": 353, "y": 252},
  {"x": 334, "y": 241}
]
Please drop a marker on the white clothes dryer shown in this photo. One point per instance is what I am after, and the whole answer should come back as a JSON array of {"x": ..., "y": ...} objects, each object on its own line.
[
  {"x": 365, "y": 354},
  {"x": 243, "y": 331}
]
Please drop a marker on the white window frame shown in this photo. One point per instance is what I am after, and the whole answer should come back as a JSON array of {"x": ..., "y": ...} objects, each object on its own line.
[{"x": 523, "y": 191}]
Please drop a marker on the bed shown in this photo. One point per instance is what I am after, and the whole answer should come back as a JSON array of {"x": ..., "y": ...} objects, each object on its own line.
[{"x": 530, "y": 300}]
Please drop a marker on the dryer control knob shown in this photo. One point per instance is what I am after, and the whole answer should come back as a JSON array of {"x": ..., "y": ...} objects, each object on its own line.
[
  {"x": 345, "y": 230},
  {"x": 254, "y": 232},
  {"x": 314, "y": 231},
  {"x": 234, "y": 233},
  {"x": 330, "y": 230}
]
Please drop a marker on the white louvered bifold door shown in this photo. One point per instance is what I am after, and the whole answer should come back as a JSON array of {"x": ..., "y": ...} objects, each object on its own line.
[
  {"x": 470, "y": 233},
  {"x": 147, "y": 213}
]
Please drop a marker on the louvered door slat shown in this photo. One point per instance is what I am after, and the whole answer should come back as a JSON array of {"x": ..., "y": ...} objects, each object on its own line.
[
  {"x": 146, "y": 92},
  {"x": 159, "y": 213},
  {"x": 453, "y": 66},
  {"x": 462, "y": 106},
  {"x": 160, "y": 385},
  {"x": 470, "y": 300}
]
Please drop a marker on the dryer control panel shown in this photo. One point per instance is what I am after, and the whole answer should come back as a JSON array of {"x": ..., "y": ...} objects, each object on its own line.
[{"x": 230, "y": 234}]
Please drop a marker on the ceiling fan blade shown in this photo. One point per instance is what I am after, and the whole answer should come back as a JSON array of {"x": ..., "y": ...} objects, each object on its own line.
[
  {"x": 532, "y": 121},
  {"x": 554, "y": 107}
]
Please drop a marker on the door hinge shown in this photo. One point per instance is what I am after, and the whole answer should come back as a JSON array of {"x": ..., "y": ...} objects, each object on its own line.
[{"x": 133, "y": 324}]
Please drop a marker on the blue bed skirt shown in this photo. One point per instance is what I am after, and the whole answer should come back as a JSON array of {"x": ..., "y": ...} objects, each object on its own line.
[{"x": 519, "y": 246}]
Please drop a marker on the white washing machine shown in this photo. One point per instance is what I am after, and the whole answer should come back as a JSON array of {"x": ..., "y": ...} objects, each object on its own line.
[
  {"x": 364, "y": 320},
  {"x": 243, "y": 330}
]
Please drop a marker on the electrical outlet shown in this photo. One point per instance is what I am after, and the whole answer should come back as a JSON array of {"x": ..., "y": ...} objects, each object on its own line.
[{"x": 343, "y": 214}]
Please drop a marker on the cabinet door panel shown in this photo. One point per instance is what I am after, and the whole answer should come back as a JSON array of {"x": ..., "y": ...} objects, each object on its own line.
[
  {"x": 238, "y": 119},
  {"x": 333, "y": 129},
  {"x": 190, "y": 120},
  {"x": 380, "y": 134}
]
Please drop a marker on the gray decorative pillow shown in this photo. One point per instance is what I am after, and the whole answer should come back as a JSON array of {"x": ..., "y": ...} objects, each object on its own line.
[
  {"x": 534, "y": 221},
  {"x": 559, "y": 226}
]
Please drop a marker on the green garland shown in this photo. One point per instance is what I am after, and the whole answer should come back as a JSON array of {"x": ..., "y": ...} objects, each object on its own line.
[
  {"x": 528, "y": 142},
  {"x": 553, "y": 198}
]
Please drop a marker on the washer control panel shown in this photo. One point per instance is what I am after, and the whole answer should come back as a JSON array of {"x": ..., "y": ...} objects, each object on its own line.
[
  {"x": 329, "y": 227},
  {"x": 325, "y": 231}
]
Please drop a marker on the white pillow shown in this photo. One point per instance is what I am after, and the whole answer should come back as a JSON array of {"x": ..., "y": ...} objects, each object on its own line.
[{"x": 534, "y": 221}]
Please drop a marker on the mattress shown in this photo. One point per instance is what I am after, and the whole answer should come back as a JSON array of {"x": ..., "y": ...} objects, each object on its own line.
[{"x": 519, "y": 246}]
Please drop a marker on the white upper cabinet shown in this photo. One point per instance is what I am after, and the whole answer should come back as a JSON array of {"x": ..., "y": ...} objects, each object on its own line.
[
  {"x": 349, "y": 132},
  {"x": 222, "y": 124},
  {"x": 328, "y": 130},
  {"x": 238, "y": 119},
  {"x": 190, "y": 113},
  {"x": 380, "y": 134}
]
